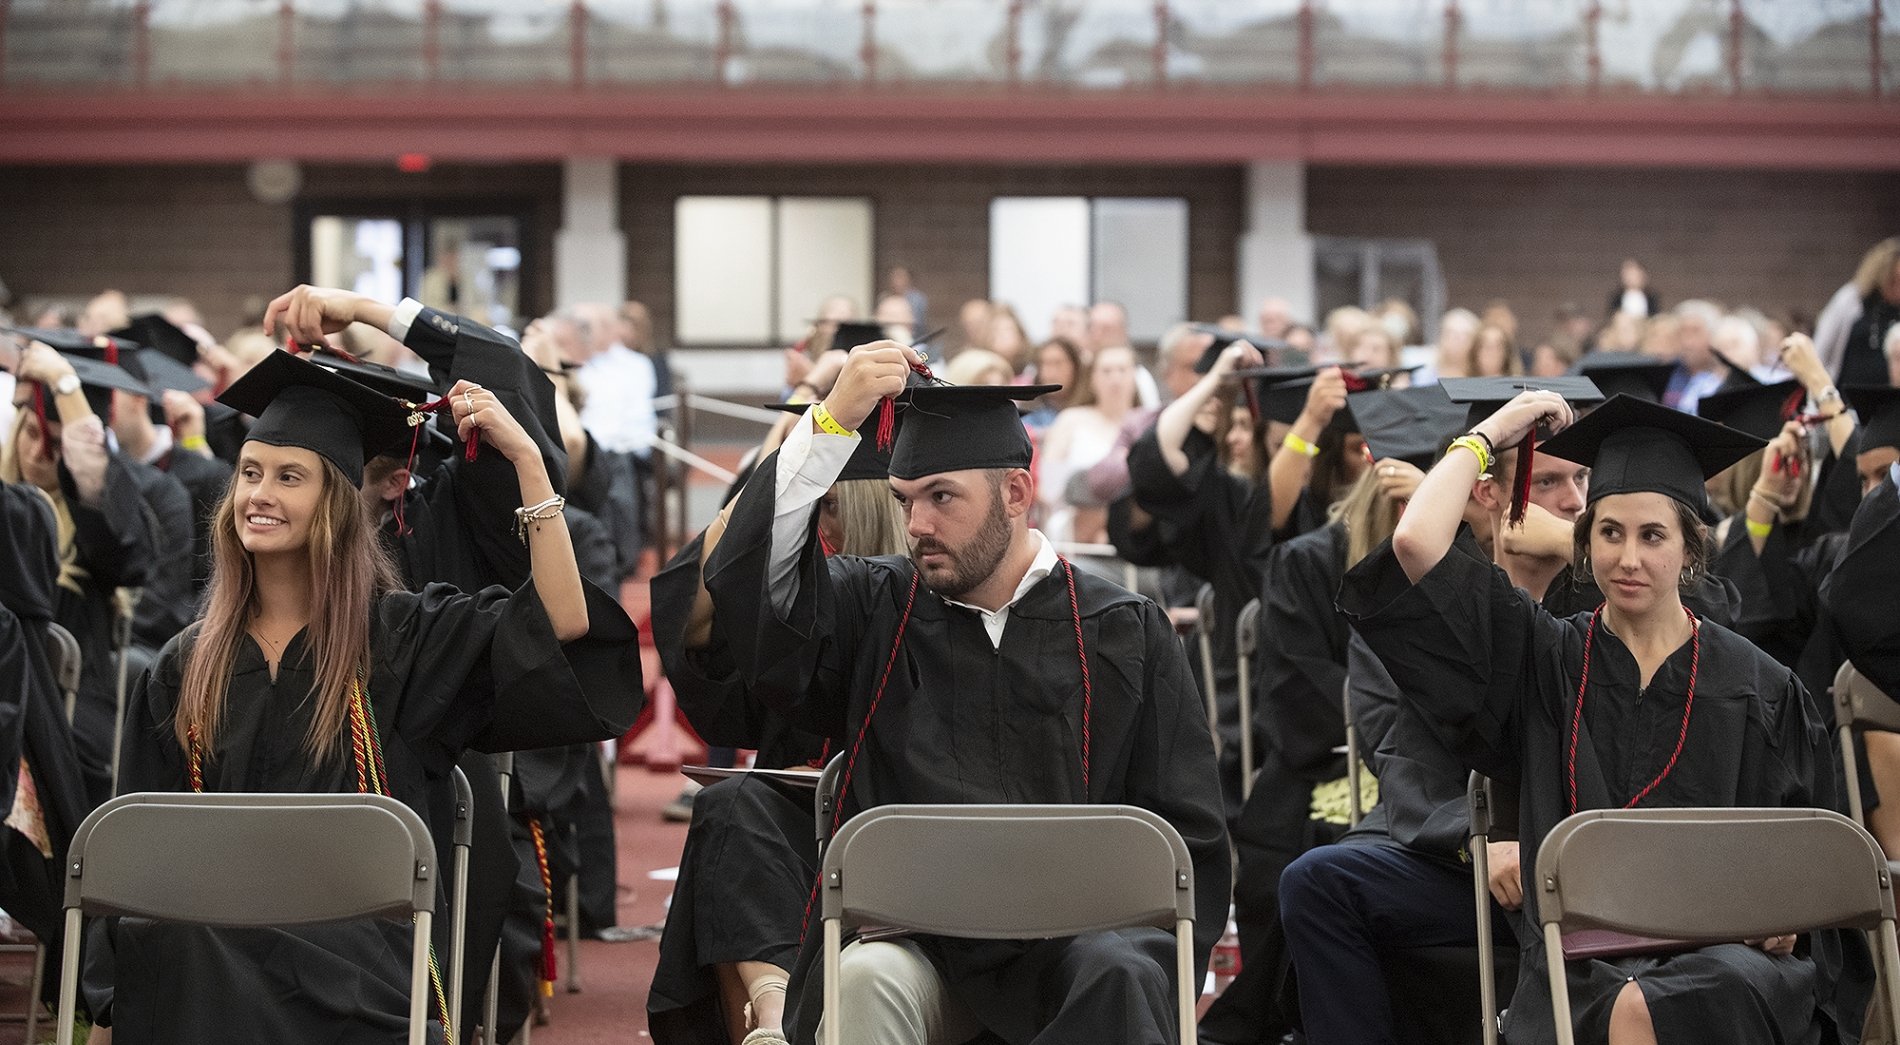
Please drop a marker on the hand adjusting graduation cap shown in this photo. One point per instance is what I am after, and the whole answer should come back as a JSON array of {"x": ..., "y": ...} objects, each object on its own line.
[
  {"x": 1408, "y": 424},
  {"x": 1633, "y": 446},
  {"x": 1487, "y": 395},
  {"x": 300, "y": 404}
]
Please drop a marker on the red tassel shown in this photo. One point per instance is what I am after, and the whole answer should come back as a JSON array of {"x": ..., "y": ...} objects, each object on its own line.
[
  {"x": 886, "y": 422},
  {"x": 1521, "y": 487},
  {"x": 1355, "y": 383},
  {"x": 549, "y": 970},
  {"x": 1792, "y": 408}
]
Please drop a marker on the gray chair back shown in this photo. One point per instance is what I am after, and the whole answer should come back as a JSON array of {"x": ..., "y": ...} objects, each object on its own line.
[
  {"x": 252, "y": 860},
  {"x": 1008, "y": 872},
  {"x": 1246, "y": 644},
  {"x": 458, "y": 895},
  {"x": 63, "y": 651},
  {"x": 1859, "y": 704},
  {"x": 1709, "y": 875},
  {"x": 825, "y": 801}
]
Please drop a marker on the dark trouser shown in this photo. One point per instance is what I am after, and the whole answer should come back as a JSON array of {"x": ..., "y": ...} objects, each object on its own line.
[{"x": 1344, "y": 905}]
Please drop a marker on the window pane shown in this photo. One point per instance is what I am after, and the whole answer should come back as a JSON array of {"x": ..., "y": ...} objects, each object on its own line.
[
  {"x": 474, "y": 268},
  {"x": 1039, "y": 256},
  {"x": 360, "y": 254},
  {"x": 1141, "y": 261},
  {"x": 722, "y": 269},
  {"x": 824, "y": 248}
]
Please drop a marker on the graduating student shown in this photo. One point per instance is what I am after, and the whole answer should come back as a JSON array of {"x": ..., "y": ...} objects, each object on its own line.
[
  {"x": 1641, "y": 702},
  {"x": 1013, "y": 678},
  {"x": 313, "y": 671},
  {"x": 109, "y": 540},
  {"x": 737, "y": 914},
  {"x": 1858, "y": 592}
]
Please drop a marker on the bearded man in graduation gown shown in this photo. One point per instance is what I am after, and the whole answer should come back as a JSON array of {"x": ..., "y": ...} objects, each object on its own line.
[{"x": 986, "y": 700}]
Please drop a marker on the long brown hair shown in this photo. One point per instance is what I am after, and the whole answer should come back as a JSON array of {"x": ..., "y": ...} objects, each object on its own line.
[
  {"x": 347, "y": 562},
  {"x": 1368, "y": 515}
]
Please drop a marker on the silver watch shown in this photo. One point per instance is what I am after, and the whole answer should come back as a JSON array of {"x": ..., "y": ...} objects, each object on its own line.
[{"x": 66, "y": 385}]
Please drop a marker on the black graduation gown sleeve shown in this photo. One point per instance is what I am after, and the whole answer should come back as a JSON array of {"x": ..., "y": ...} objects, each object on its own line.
[
  {"x": 205, "y": 479},
  {"x": 29, "y": 552},
  {"x": 114, "y": 540},
  {"x": 168, "y": 600},
  {"x": 1303, "y": 653},
  {"x": 1859, "y": 592},
  {"x": 593, "y": 548}
]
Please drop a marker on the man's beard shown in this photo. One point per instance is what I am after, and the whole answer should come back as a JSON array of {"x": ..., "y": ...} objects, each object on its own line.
[{"x": 970, "y": 565}]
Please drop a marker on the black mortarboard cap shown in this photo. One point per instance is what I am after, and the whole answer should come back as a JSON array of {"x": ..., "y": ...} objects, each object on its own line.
[
  {"x": 298, "y": 403},
  {"x": 1758, "y": 409},
  {"x": 161, "y": 373},
  {"x": 850, "y": 333},
  {"x": 1634, "y": 446},
  {"x": 867, "y": 461},
  {"x": 1410, "y": 424},
  {"x": 1276, "y": 392},
  {"x": 1487, "y": 395},
  {"x": 72, "y": 342},
  {"x": 1627, "y": 373},
  {"x": 1879, "y": 410},
  {"x": 1224, "y": 337},
  {"x": 98, "y": 379},
  {"x": 948, "y": 428},
  {"x": 397, "y": 384},
  {"x": 156, "y": 332}
]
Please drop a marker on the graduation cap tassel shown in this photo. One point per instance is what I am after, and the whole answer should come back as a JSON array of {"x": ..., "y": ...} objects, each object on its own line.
[
  {"x": 1521, "y": 482},
  {"x": 886, "y": 423},
  {"x": 549, "y": 965}
]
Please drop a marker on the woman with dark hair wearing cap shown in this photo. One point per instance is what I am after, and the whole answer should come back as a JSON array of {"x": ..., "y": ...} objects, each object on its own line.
[
  {"x": 1640, "y": 702},
  {"x": 312, "y": 671},
  {"x": 735, "y": 921}
]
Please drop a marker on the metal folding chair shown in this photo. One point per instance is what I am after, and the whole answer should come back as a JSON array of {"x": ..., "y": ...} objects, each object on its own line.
[
  {"x": 63, "y": 650},
  {"x": 505, "y": 769},
  {"x": 1006, "y": 872},
  {"x": 1246, "y": 643},
  {"x": 252, "y": 860},
  {"x": 1859, "y": 704},
  {"x": 463, "y": 841},
  {"x": 1204, "y": 638},
  {"x": 1714, "y": 875},
  {"x": 1354, "y": 764},
  {"x": 825, "y": 800},
  {"x": 1492, "y": 819}
]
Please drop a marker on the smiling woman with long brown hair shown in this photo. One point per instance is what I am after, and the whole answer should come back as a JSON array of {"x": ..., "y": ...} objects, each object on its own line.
[{"x": 311, "y": 671}]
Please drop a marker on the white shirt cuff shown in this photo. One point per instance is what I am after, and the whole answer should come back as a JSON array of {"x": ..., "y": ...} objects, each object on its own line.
[
  {"x": 808, "y": 463},
  {"x": 405, "y": 314}
]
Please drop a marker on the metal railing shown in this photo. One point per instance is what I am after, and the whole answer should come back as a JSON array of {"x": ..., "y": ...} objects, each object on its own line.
[{"x": 1735, "y": 47}]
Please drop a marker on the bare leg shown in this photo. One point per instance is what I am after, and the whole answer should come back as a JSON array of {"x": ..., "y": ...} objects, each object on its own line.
[
  {"x": 732, "y": 1000},
  {"x": 1629, "y": 1018},
  {"x": 99, "y": 1036},
  {"x": 1883, "y": 762}
]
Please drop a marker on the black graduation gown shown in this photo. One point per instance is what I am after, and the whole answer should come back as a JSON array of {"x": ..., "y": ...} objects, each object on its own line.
[
  {"x": 608, "y": 487},
  {"x": 168, "y": 600},
  {"x": 33, "y": 720},
  {"x": 205, "y": 479},
  {"x": 1858, "y": 593},
  {"x": 449, "y": 671},
  {"x": 1498, "y": 675},
  {"x": 751, "y": 856},
  {"x": 1218, "y": 527},
  {"x": 965, "y": 721}
]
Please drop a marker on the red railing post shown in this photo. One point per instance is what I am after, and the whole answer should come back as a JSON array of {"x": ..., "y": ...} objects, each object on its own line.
[
  {"x": 1453, "y": 18},
  {"x": 1873, "y": 45},
  {"x": 867, "y": 46},
  {"x": 577, "y": 43},
  {"x": 1159, "y": 56},
  {"x": 722, "y": 45},
  {"x": 1306, "y": 45},
  {"x": 286, "y": 42},
  {"x": 1736, "y": 22},
  {"x": 1593, "y": 48},
  {"x": 6, "y": 11},
  {"x": 432, "y": 40},
  {"x": 141, "y": 42}
]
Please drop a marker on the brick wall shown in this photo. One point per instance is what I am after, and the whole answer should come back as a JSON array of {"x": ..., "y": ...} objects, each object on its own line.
[
  {"x": 198, "y": 231},
  {"x": 935, "y": 219},
  {"x": 1780, "y": 241}
]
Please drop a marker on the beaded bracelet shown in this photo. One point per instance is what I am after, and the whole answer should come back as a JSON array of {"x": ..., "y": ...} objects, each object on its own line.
[{"x": 548, "y": 509}]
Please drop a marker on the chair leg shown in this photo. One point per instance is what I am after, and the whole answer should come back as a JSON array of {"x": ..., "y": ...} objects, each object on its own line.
[
  {"x": 1245, "y": 692},
  {"x": 1185, "y": 986},
  {"x": 33, "y": 994},
  {"x": 1891, "y": 951},
  {"x": 491, "y": 1036},
  {"x": 574, "y": 931},
  {"x": 69, "y": 977},
  {"x": 1559, "y": 988},
  {"x": 1487, "y": 960},
  {"x": 834, "y": 946},
  {"x": 419, "y": 981},
  {"x": 1851, "y": 765}
]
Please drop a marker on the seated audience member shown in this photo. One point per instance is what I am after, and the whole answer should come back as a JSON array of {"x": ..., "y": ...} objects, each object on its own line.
[
  {"x": 1633, "y": 295},
  {"x": 1847, "y": 305},
  {"x": 1451, "y": 354},
  {"x": 1058, "y": 362},
  {"x": 1699, "y": 371},
  {"x": 1081, "y": 435},
  {"x": 979, "y": 366},
  {"x": 1864, "y": 360},
  {"x": 975, "y": 611},
  {"x": 1493, "y": 354},
  {"x": 1009, "y": 340},
  {"x": 1553, "y": 702}
]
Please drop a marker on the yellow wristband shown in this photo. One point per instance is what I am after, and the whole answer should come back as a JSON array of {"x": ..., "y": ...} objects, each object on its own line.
[
  {"x": 1299, "y": 446},
  {"x": 828, "y": 423},
  {"x": 1477, "y": 448},
  {"x": 194, "y": 442},
  {"x": 1758, "y": 529}
]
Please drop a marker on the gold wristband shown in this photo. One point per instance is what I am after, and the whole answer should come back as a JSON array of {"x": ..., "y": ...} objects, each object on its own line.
[
  {"x": 194, "y": 442},
  {"x": 828, "y": 423},
  {"x": 1758, "y": 530},
  {"x": 1299, "y": 446}
]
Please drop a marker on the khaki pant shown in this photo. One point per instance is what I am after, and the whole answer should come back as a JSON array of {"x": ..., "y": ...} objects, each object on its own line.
[{"x": 890, "y": 994}]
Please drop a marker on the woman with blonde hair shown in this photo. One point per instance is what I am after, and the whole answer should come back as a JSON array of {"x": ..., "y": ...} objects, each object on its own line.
[
  {"x": 311, "y": 671},
  {"x": 1081, "y": 435}
]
